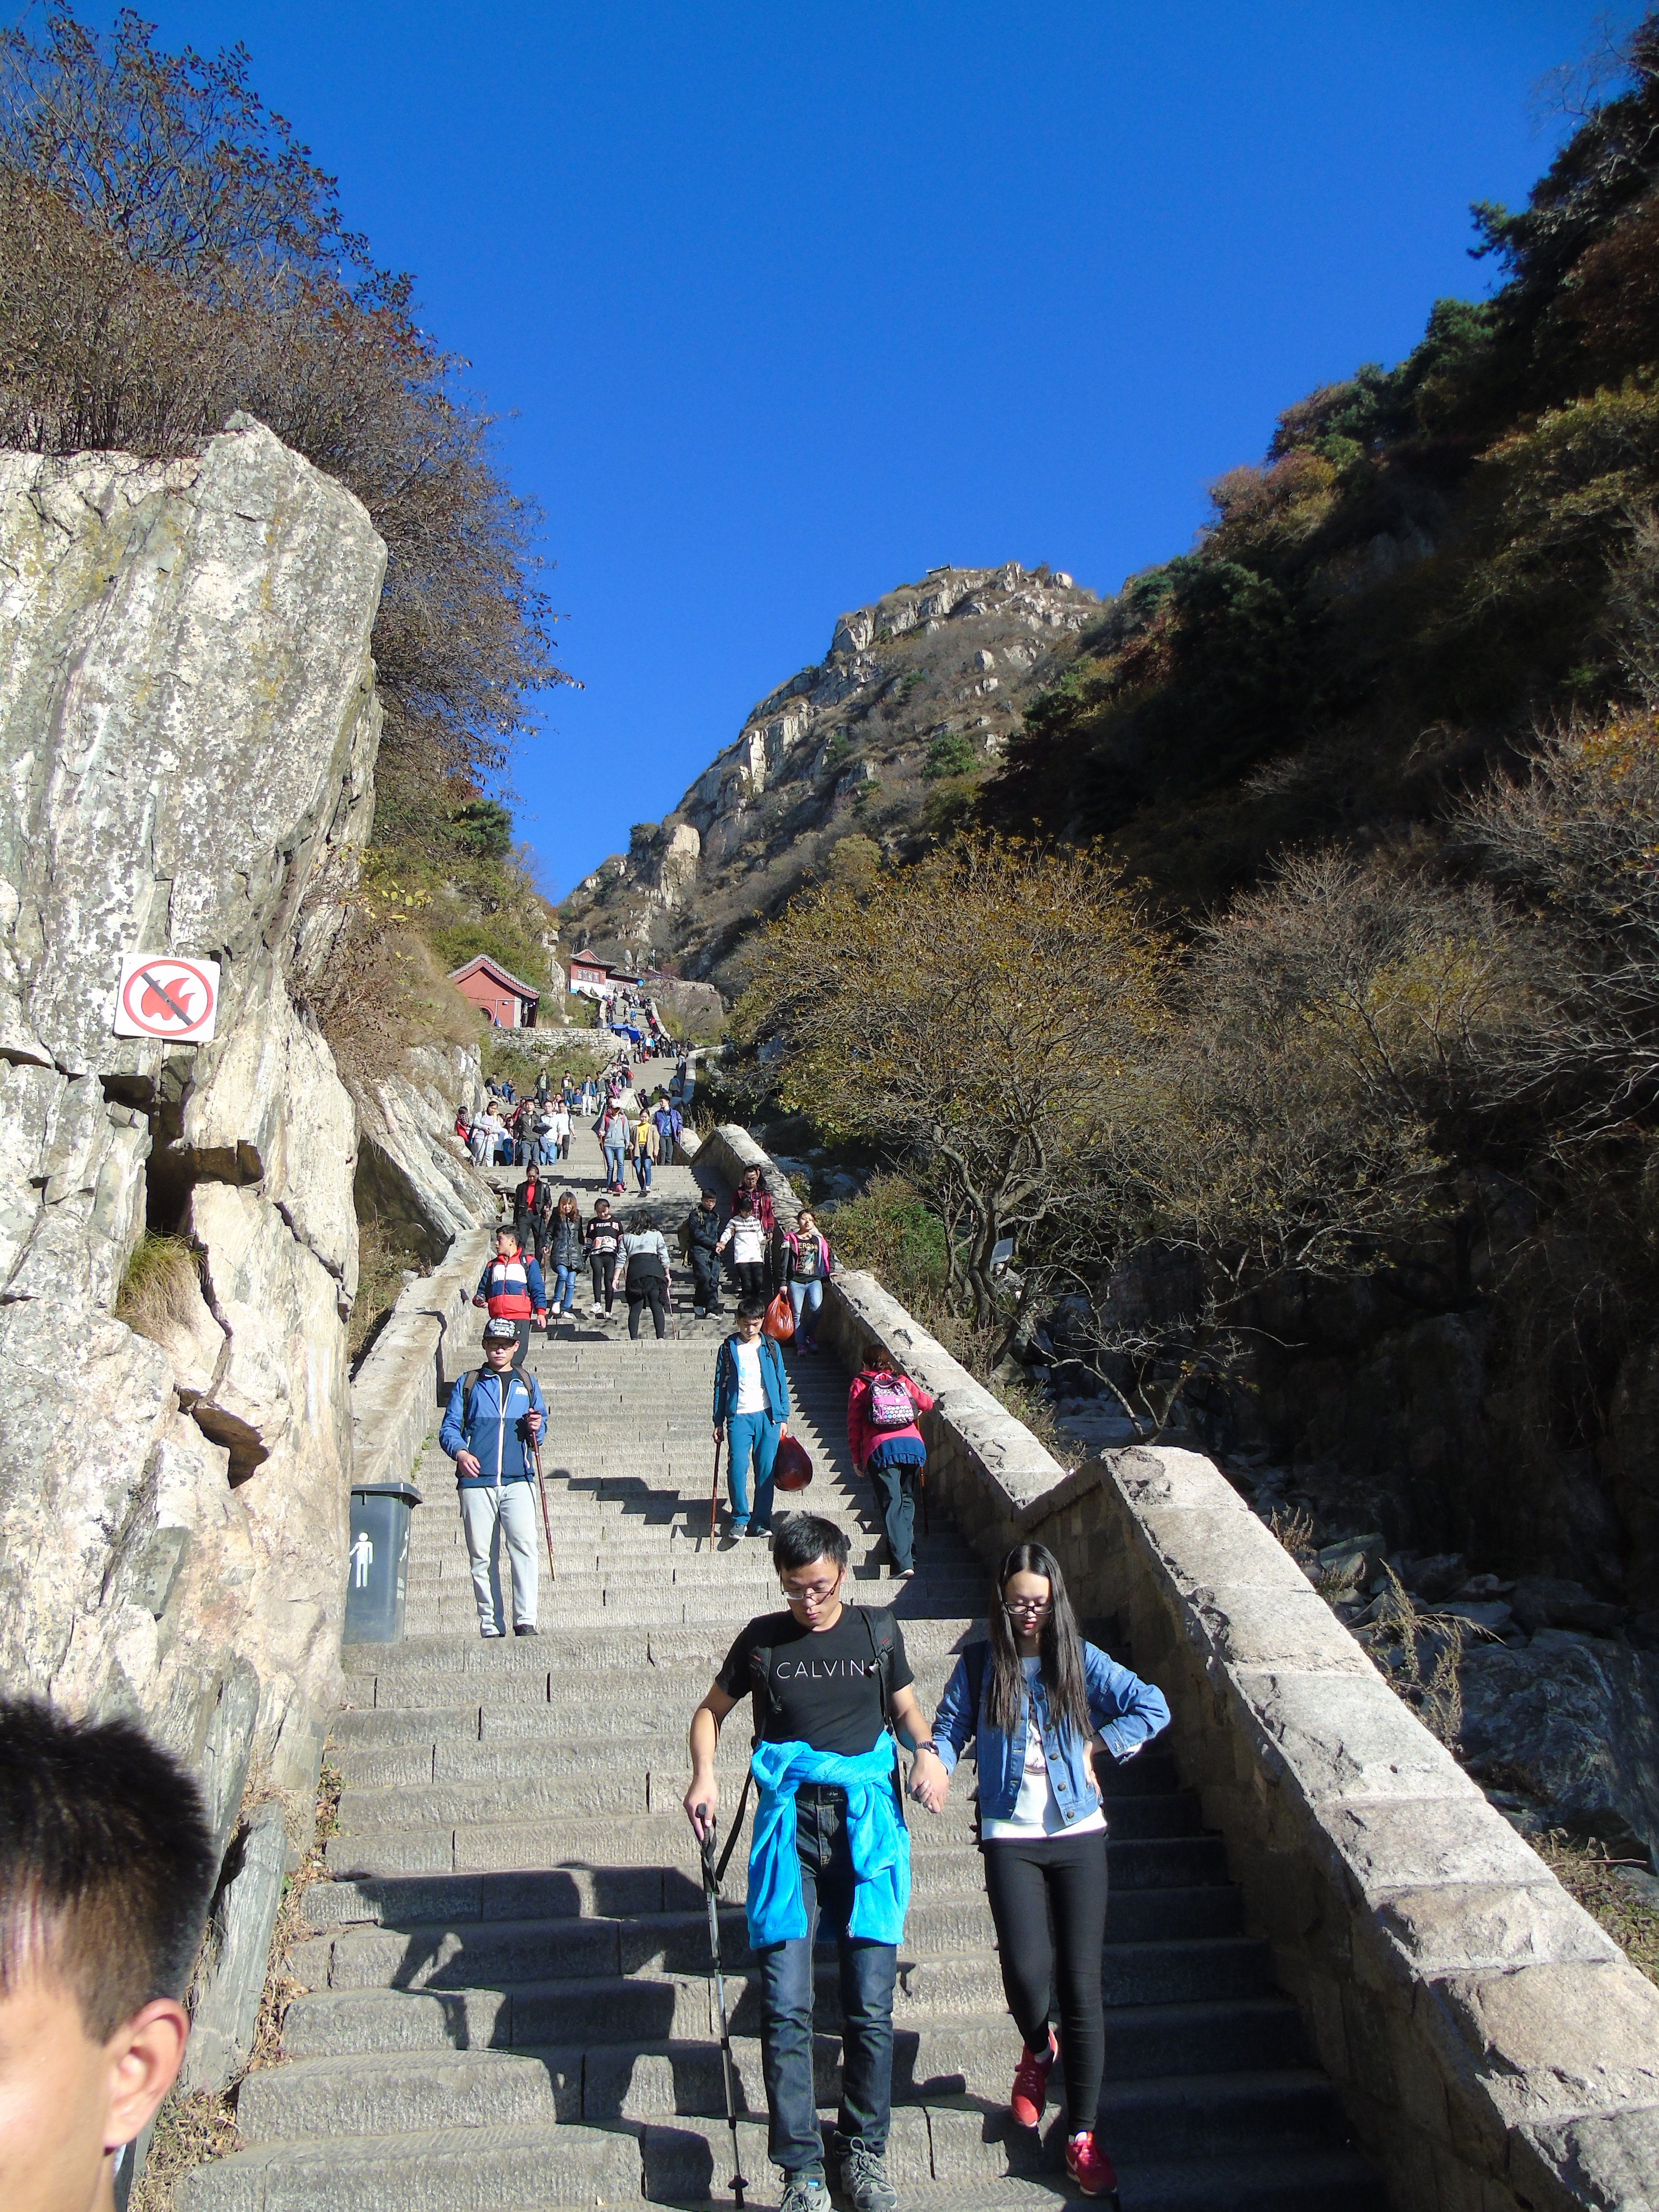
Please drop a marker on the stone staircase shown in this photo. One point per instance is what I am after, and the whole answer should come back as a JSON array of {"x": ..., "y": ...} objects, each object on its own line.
[{"x": 506, "y": 2002}]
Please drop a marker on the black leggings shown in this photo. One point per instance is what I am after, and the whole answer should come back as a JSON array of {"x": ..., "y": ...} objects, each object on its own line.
[
  {"x": 652, "y": 1295},
  {"x": 1026, "y": 1880},
  {"x": 751, "y": 1279},
  {"x": 604, "y": 1267}
]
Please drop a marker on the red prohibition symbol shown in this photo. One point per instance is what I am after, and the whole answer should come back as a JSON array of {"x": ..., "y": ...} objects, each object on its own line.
[{"x": 166, "y": 997}]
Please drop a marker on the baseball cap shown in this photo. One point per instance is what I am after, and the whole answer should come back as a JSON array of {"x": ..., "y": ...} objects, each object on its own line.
[{"x": 500, "y": 1331}]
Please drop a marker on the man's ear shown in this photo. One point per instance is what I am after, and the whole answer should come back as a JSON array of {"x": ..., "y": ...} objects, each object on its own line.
[{"x": 144, "y": 2056}]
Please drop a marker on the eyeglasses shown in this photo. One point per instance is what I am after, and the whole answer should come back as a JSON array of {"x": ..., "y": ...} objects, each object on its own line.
[
  {"x": 814, "y": 1593},
  {"x": 1029, "y": 1608}
]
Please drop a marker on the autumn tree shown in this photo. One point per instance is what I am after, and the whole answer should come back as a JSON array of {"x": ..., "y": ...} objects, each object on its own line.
[
  {"x": 977, "y": 1015},
  {"x": 169, "y": 253}
]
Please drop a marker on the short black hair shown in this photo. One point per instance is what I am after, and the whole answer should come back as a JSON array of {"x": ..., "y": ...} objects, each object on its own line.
[
  {"x": 806, "y": 1537},
  {"x": 752, "y": 1309},
  {"x": 106, "y": 1862}
]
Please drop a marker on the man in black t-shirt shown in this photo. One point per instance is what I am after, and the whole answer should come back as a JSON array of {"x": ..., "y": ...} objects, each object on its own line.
[{"x": 815, "y": 1672}]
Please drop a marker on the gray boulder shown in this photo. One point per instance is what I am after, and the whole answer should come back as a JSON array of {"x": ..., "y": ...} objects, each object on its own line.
[
  {"x": 189, "y": 727},
  {"x": 1575, "y": 1720}
]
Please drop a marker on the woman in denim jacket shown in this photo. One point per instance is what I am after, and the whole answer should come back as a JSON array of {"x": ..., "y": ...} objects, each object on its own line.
[{"x": 1040, "y": 1702}]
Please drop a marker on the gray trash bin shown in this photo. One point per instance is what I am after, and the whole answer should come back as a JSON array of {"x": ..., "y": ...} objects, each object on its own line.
[{"x": 377, "y": 1565}]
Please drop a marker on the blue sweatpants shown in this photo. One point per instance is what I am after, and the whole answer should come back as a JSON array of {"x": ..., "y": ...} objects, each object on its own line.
[{"x": 751, "y": 1436}]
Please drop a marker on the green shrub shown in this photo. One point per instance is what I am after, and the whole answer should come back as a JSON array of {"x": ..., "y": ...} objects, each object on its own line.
[
  {"x": 890, "y": 1230},
  {"x": 950, "y": 753}
]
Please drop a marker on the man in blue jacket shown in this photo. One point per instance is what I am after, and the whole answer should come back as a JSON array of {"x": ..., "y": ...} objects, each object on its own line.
[
  {"x": 490, "y": 1429},
  {"x": 751, "y": 1408}
]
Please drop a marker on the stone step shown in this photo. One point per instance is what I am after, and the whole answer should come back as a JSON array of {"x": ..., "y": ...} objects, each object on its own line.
[
  {"x": 461, "y": 1954},
  {"x": 479, "y": 2169},
  {"x": 659, "y": 1781},
  {"x": 655, "y": 2006},
  {"x": 941, "y": 2158},
  {"x": 379, "y": 1763},
  {"x": 419, "y": 1657},
  {"x": 663, "y": 1839}
]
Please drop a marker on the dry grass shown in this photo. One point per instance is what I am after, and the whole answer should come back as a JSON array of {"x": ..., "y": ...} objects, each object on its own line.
[
  {"x": 192, "y": 2129},
  {"x": 384, "y": 992},
  {"x": 1421, "y": 1654},
  {"x": 189, "y": 2132},
  {"x": 382, "y": 1259},
  {"x": 158, "y": 1289},
  {"x": 1586, "y": 1868}
]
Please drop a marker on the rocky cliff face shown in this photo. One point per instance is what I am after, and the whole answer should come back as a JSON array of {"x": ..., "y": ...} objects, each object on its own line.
[
  {"x": 189, "y": 727},
  {"x": 931, "y": 678}
]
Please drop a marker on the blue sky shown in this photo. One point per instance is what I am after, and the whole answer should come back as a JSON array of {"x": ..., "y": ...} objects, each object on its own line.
[{"x": 791, "y": 303}]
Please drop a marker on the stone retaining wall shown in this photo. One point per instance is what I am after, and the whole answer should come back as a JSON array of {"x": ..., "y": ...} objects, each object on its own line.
[
  {"x": 1494, "y": 2049},
  {"x": 396, "y": 1392}
]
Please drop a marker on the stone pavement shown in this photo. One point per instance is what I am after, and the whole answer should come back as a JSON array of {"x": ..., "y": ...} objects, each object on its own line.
[{"x": 507, "y": 2004}]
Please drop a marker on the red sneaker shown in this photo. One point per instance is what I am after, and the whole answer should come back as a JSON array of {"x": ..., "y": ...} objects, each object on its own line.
[
  {"x": 1030, "y": 2091},
  {"x": 1090, "y": 2168}
]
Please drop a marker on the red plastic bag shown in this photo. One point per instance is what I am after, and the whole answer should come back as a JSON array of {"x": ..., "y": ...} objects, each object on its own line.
[
  {"x": 780, "y": 1318},
  {"x": 791, "y": 1469}
]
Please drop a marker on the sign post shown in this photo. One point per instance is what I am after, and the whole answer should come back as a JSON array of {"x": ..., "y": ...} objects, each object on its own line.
[{"x": 160, "y": 995}]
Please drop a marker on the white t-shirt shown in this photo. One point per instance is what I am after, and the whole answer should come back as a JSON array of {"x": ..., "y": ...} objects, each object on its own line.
[
  {"x": 746, "y": 1234},
  {"x": 752, "y": 1388},
  {"x": 1035, "y": 1812}
]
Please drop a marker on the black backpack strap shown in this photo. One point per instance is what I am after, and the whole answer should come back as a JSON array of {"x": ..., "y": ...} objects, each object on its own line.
[
  {"x": 737, "y": 1828},
  {"x": 760, "y": 1670},
  {"x": 473, "y": 1382},
  {"x": 881, "y": 1650}
]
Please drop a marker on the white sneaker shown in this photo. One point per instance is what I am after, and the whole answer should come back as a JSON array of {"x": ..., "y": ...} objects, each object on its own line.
[{"x": 595, "y": 1308}]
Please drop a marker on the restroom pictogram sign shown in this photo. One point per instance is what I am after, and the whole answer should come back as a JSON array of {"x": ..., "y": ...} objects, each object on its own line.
[{"x": 163, "y": 996}]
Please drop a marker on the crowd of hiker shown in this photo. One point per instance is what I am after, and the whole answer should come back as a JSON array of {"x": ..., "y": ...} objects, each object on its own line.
[{"x": 1046, "y": 1712}]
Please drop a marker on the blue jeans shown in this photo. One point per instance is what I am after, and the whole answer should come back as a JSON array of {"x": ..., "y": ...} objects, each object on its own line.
[
  {"x": 643, "y": 1170},
  {"x": 564, "y": 1287},
  {"x": 751, "y": 1435},
  {"x": 615, "y": 1163},
  {"x": 895, "y": 1484},
  {"x": 866, "y": 2002},
  {"x": 806, "y": 1297}
]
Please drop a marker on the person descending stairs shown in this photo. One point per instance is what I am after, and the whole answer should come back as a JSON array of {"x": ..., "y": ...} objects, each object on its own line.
[{"x": 505, "y": 1991}]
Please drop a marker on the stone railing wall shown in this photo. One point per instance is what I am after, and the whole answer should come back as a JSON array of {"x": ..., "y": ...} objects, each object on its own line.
[
  {"x": 395, "y": 1393},
  {"x": 1494, "y": 2049}
]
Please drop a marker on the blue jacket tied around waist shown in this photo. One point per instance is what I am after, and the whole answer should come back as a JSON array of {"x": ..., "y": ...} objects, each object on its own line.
[{"x": 879, "y": 1841}]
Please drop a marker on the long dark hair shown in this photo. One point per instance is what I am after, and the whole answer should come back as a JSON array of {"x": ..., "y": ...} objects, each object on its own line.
[{"x": 1060, "y": 1649}]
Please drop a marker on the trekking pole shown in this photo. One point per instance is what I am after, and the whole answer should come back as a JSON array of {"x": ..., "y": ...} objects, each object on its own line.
[
  {"x": 927, "y": 1517},
  {"x": 711, "y": 1888},
  {"x": 547, "y": 1524},
  {"x": 714, "y": 1491}
]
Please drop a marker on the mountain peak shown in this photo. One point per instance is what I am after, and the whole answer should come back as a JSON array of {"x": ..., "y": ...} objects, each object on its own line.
[{"x": 914, "y": 702}]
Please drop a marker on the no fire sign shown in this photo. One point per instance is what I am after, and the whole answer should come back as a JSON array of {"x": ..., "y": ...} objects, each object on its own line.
[{"x": 162, "y": 996}]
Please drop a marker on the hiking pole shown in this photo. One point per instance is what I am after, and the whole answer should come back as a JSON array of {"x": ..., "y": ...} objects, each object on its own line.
[
  {"x": 711, "y": 1888},
  {"x": 536, "y": 1450},
  {"x": 714, "y": 1491}
]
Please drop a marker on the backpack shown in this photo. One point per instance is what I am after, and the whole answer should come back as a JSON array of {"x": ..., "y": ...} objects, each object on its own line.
[
  {"x": 889, "y": 1404},
  {"x": 472, "y": 1383}
]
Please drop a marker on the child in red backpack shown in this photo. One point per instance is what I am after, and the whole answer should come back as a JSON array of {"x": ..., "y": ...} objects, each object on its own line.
[{"x": 882, "y": 1407}]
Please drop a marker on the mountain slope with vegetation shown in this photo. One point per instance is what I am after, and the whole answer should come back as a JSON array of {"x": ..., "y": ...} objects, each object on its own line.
[
  {"x": 1365, "y": 1200},
  {"x": 1430, "y": 562},
  {"x": 874, "y": 753}
]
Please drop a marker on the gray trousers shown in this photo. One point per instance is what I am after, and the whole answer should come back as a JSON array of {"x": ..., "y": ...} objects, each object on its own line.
[{"x": 489, "y": 1515}]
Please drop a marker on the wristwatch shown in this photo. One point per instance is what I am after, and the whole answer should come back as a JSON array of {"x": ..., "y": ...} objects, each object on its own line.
[{"x": 929, "y": 1746}]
